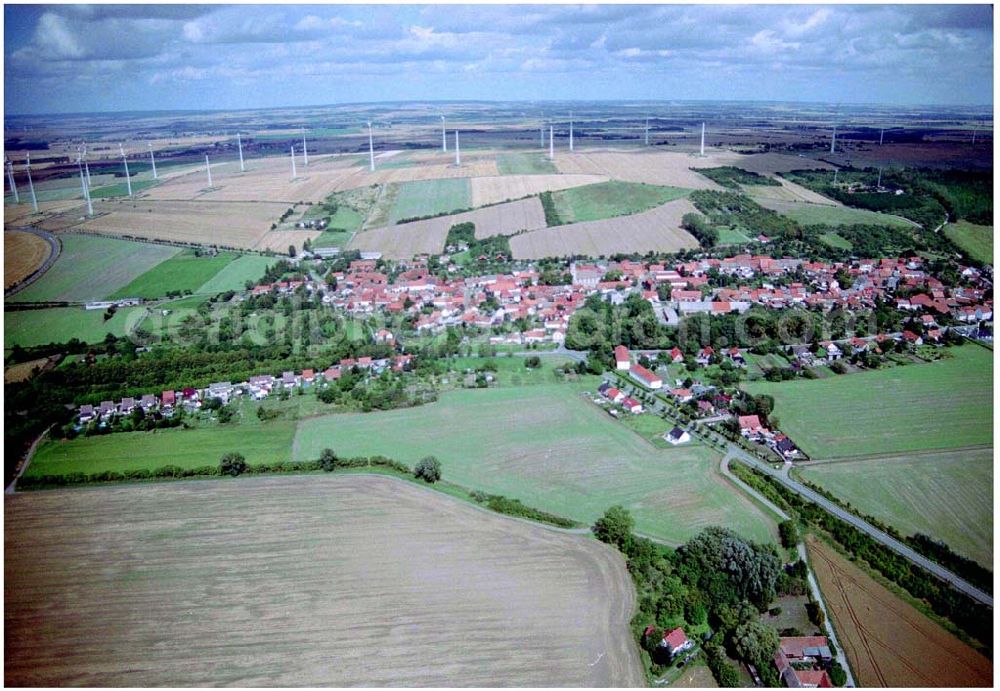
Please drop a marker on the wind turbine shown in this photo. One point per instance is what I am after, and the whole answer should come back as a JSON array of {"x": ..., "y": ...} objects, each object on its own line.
[
  {"x": 83, "y": 184},
  {"x": 571, "y": 131},
  {"x": 208, "y": 169},
  {"x": 878, "y": 185},
  {"x": 444, "y": 137},
  {"x": 702, "y": 139},
  {"x": 552, "y": 146},
  {"x": 152, "y": 159},
  {"x": 13, "y": 185},
  {"x": 239, "y": 143},
  {"x": 833, "y": 141},
  {"x": 86, "y": 167},
  {"x": 128, "y": 178},
  {"x": 371, "y": 149},
  {"x": 974, "y": 128},
  {"x": 458, "y": 153},
  {"x": 647, "y": 131},
  {"x": 305, "y": 151},
  {"x": 31, "y": 185},
  {"x": 293, "y": 162},
  {"x": 881, "y": 136},
  {"x": 541, "y": 135}
]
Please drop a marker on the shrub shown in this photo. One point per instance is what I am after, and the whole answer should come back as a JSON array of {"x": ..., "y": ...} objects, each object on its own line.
[
  {"x": 428, "y": 469},
  {"x": 232, "y": 464},
  {"x": 327, "y": 459}
]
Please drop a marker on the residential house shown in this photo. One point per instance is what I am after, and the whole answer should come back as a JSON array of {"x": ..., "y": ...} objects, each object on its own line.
[
  {"x": 632, "y": 405},
  {"x": 677, "y": 436},
  {"x": 86, "y": 414},
  {"x": 750, "y": 425},
  {"x": 645, "y": 377},
  {"x": 622, "y": 360},
  {"x": 676, "y": 641}
]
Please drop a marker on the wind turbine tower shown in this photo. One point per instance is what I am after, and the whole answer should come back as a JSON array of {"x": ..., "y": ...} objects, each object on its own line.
[
  {"x": 371, "y": 149},
  {"x": 305, "y": 151},
  {"x": 552, "y": 146},
  {"x": 86, "y": 167},
  {"x": 878, "y": 185},
  {"x": 128, "y": 178},
  {"x": 208, "y": 169},
  {"x": 293, "y": 162},
  {"x": 458, "y": 152},
  {"x": 152, "y": 159},
  {"x": 702, "y": 140},
  {"x": 541, "y": 136},
  {"x": 13, "y": 185},
  {"x": 833, "y": 141},
  {"x": 571, "y": 131},
  {"x": 647, "y": 132},
  {"x": 444, "y": 137},
  {"x": 239, "y": 143},
  {"x": 83, "y": 183},
  {"x": 31, "y": 185},
  {"x": 881, "y": 136}
]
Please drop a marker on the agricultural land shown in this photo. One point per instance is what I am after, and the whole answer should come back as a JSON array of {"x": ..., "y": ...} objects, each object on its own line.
[
  {"x": 24, "y": 253},
  {"x": 478, "y": 599},
  {"x": 889, "y": 642}
]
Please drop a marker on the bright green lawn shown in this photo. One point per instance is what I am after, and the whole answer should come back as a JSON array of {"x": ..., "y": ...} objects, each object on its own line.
[
  {"x": 184, "y": 448},
  {"x": 609, "y": 199},
  {"x": 525, "y": 164},
  {"x": 836, "y": 240},
  {"x": 821, "y": 214},
  {"x": 938, "y": 405},
  {"x": 234, "y": 275},
  {"x": 121, "y": 189},
  {"x": 92, "y": 268},
  {"x": 946, "y": 494},
  {"x": 976, "y": 241},
  {"x": 730, "y": 236},
  {"x": 551, "y": 448},
  {"x": 333, "y": 238},
  {"x": 60, "y": 324},
  {"x": 185, "y": 271},
  {"x": 430, "y": 197}
]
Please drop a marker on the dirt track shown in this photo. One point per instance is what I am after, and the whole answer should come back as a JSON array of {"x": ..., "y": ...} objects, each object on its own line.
[
  {"x": 304, "y": 581},
  {"x": 887, "y": 641}
]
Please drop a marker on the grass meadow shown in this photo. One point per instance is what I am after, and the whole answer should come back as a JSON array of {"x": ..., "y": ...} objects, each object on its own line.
[
  {"x": 821, "y": 214},
  {"x": 550, "y": 447},
  {"x": 92, "y": 268},
  {"x": 184, "y": 271},
  {"x": 975, "y": 240},
  {"x": 610, "y": 199},
  {"x": 525, "y": 164},
  {"x": 235, "y": 274},
  {"x": 60, "y": 324},
  {"x": 430, "y": 198},
  {"x": 947, "y": 495},
  {"x": 939, "y": 405}
]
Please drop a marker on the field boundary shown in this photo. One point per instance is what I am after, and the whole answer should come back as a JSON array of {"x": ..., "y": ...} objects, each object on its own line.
[
  {"x": 55, "y": 249},
  {"x": 888, "y": 454}
]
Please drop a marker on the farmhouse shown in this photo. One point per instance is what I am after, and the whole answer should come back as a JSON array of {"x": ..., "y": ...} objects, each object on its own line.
[
  {"x": 675, "y": 641},
  {"x": 622, "y": 361},
  {"x": 632, "y": 405},
  {"x": 645, "y": 377},
  {"x": 677, "y": 436},
  {"x": 750, "y": 425}
]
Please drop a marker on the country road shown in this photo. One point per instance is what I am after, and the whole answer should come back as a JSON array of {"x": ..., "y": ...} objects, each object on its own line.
[{"x": 733, "y": 451}]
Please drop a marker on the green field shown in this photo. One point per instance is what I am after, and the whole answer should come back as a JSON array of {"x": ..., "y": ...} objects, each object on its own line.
[
  {"x": 60, "y": 324},
  {"x": 836, "y": 241},
  {"x": 193, "y": 448},
  {"x": 430, "y": 198},
  {"x": 730, "y": 236},
  {"x": 947, "y": 495},
  {"x": 525, "y": 164},
  {"x": 938, "y": 405},
  {"x": 610, "y": 199},
  {"x": 551, "y": 448},
  {"x": 819, "y": 214},
  {"x": 121, "y": 189},
  {"x": 92, "y": 268},
  {"x": 185, "y": 271},
  {"x": 976, "y": 241},
  {"x": 333, "y": 238},
  {"x": 235, "y": 274}
]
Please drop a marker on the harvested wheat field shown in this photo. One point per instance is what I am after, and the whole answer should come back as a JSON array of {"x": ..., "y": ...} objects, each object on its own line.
[
  {"x": 304, "y": 581},
  {"x": 490, "y": 190},
  {"x": 279, "y": 240},
  {"x": 229, "y": 224},
  {"x": 23, "y": 254},
  {"x": 23, "y": 371},
  {"x": 432, "y": 170},
  {"x": 675, "y": 169},
  {"x": 406, "y": 240},
  {"x": 788, "y": 193},
  {"x": 265, "y": 180},
  {"x": 888, "y": 642},
  {"x": 657, "y": 229},
  {"x": 19, "y": 213}
]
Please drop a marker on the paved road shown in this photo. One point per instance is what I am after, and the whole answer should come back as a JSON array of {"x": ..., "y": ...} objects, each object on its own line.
[
  {"x": 818, "y": 596},
  {"x": 12, "y": 487},
  {"x": 892, "y": 543},
  {"x": 54, "y": 249}
]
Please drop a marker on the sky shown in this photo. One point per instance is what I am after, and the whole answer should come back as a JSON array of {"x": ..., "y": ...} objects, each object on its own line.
[{"x": 86, "y": 58}]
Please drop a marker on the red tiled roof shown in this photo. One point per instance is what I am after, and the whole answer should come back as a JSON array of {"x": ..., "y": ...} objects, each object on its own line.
[{"x": 675, "y": 639}]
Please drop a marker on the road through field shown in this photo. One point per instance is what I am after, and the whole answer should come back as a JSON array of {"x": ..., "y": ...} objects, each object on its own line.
[{"x": 329, "y": 580}]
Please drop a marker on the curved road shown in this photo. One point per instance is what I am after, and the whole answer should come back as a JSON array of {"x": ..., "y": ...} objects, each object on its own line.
[
  {"x": 54, "y": 250},
  {"x": 892, "y": 543}
]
